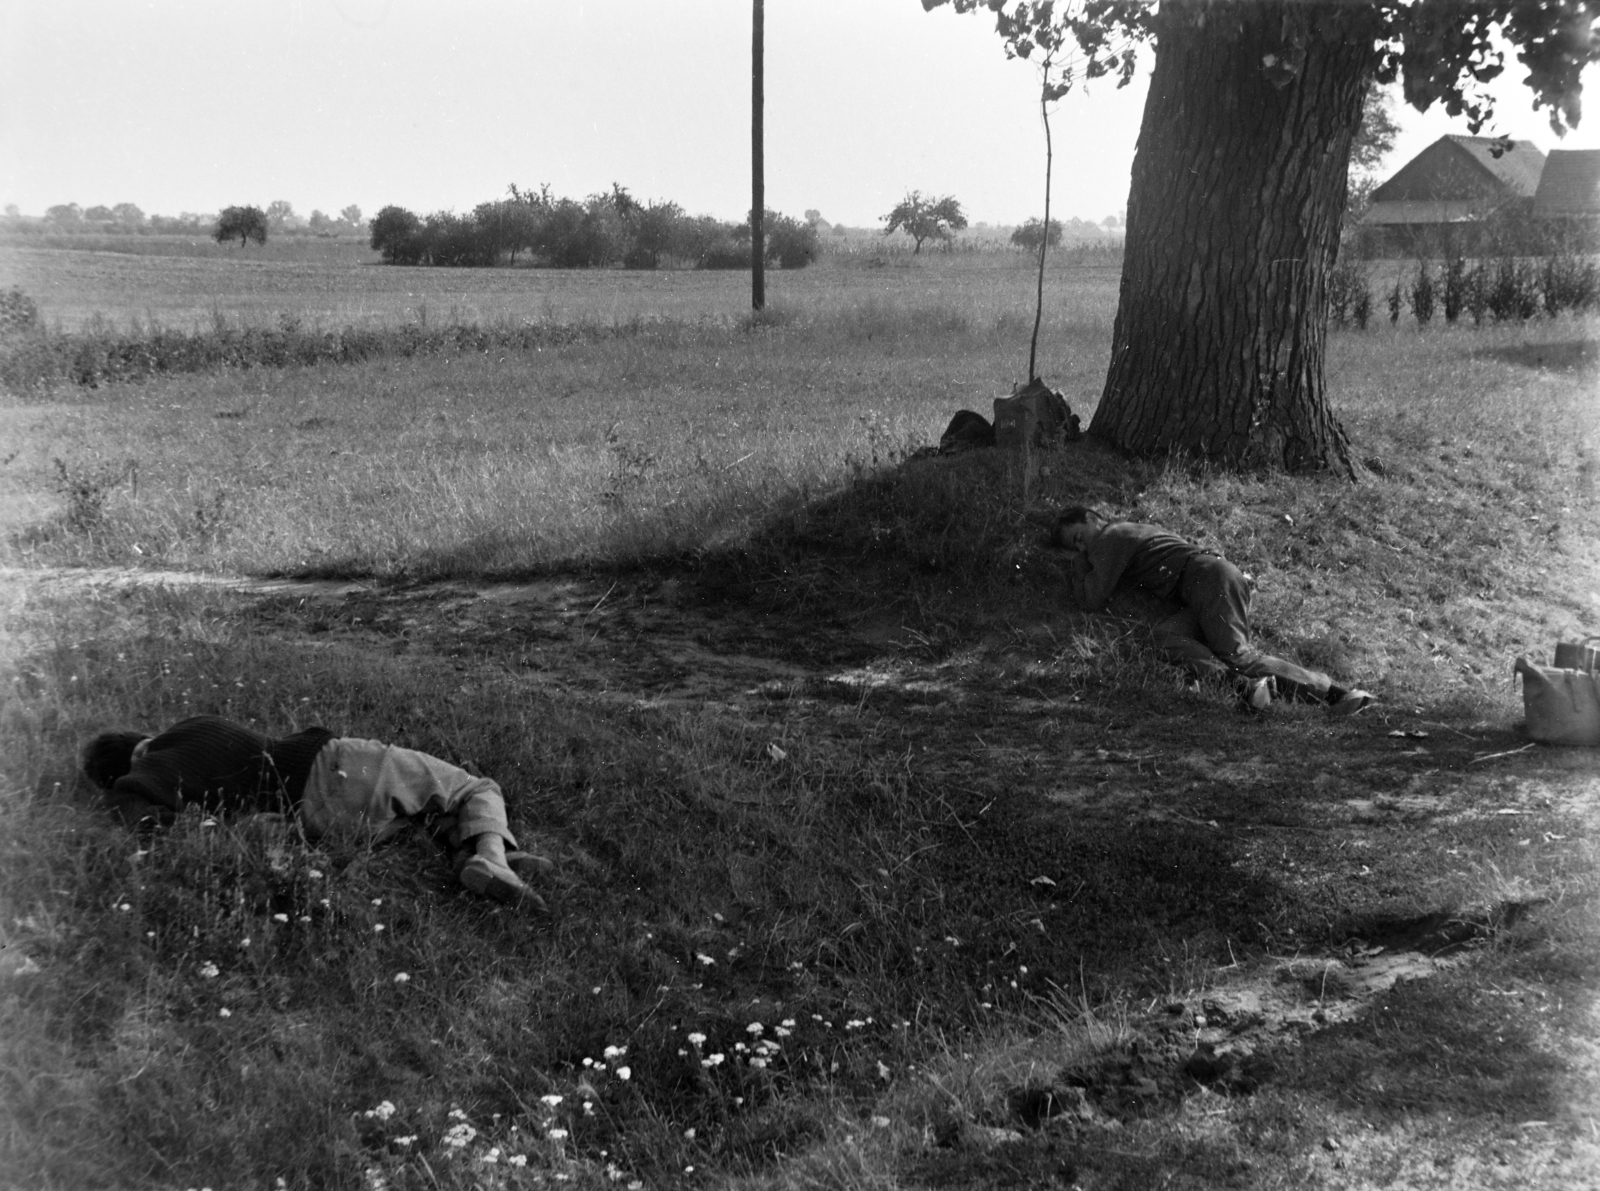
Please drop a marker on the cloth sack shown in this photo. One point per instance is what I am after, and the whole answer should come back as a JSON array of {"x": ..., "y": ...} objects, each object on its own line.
[
  {"x": 1036, "y": 415},
  {"x": 967, "y": 430},
  {"x": 1563, "y": 706}
]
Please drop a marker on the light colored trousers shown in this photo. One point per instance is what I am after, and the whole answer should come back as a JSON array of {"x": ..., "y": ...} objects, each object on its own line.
[
  {"x": 1211, "y": 634},
  {"x": 366, "y": 787}
]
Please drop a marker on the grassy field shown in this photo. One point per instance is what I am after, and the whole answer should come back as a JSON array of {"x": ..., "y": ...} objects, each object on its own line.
[{"x": 879, "y": 866}]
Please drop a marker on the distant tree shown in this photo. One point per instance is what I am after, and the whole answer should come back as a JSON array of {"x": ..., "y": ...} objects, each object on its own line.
[
  {"x": 396, "y": 233},
  {"x": 320, "y": 224},
  {"x": 64, "y": 214},
  {"x": 814, "y": 216},
  {"x": 13, "y": 211},
  {"x": 351, "y": 215},
  {"x": 280, "y": 214},
  {"x": 247, "y": 223},
  {"x": 128, "y": 215},
  {"x": 457, "y": 240},
  {"x": 1111, "y": 221},
  {"x": 1375, "y": 135},
  {"x": 97, "y": 214},
  {"x": 653, "y": 231},
  {"x": 789, "y": 242},
  {"x": 925, "y": 218},
  {"x": 509, "y": 225},
  {"x": 1029, "y": 234}
]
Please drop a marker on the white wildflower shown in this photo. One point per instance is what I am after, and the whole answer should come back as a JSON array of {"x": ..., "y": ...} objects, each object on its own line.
[
  {"x": 382, "y": 1113},
  {"x": 552, "y": 1099},
  {"x": 615, "y": 1052},
  {"x": 517, "y": 1160},
  {"x": 457, "y": 1136},
  {"x": 402, "y": 977},
  {"x": 704, "y": 958},
  {"x": 624, "y": 1073},
  {"x": 209, "y": 971},
  {"x": 697, "y": 1039},
  {"x": 556, "y": 1134},
  {"x": 755, "y": 1028},
  {"x": 280, "y": 918}
]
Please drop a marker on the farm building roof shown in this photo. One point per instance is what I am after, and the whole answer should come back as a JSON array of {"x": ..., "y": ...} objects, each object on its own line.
[
  {"x": 1464, "y": 168},
  {"x": 1570, "y": 184}
]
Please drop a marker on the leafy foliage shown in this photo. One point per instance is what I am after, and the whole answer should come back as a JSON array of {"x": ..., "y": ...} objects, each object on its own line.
[
  {"x": 925, "y": 218},
  {"x": 395, "y": 233},
  {"x": 1031, "y": 234},
  {"x": 247, "y": 223},
  {"x": 1440, "y": 51},
  {"x": 601, "y": 231}
]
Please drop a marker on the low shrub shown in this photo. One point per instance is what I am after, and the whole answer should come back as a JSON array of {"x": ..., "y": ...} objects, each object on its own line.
[
  {"x": 100, "y": 354},
  {"x": 1422, "y": 294},
  {"x": 1347, "y": 286}
]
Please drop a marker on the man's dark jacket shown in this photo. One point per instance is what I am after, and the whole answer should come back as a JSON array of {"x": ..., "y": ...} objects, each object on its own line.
[{"x": 219, "y": 765}]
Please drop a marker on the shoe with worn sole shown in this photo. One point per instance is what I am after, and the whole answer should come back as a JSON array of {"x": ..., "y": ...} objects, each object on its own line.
[
  {"x": 490, "y": 880},
  {"x": 1256, "y": 694}
]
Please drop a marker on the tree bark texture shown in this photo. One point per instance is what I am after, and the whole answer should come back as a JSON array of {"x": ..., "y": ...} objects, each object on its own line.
[{"x": 1233, "y": 224}]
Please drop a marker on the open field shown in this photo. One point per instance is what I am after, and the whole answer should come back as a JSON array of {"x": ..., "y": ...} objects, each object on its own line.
[
  {"x": 339, "y": 283},
  {"x": 819, "y": 750}
]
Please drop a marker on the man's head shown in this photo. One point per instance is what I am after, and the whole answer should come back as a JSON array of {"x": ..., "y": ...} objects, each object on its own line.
[
  {"x": 110, "y": 755},
  {"x": 1077, "y": 527}
]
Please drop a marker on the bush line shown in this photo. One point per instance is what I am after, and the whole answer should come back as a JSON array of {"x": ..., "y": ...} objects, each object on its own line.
[{"x": 35, "y": 358}]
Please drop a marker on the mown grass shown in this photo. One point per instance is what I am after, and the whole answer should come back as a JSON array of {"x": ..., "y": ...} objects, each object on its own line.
[{"x": 872, "y": 881}]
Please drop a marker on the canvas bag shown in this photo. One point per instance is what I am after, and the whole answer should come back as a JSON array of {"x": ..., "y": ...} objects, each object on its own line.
[
  {"x": 1035, "y": 415},
  {"x": 1563, "y": 706}
]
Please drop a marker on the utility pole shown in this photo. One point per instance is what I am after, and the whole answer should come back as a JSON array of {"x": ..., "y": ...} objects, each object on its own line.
[{"x": 758, "y": 198}]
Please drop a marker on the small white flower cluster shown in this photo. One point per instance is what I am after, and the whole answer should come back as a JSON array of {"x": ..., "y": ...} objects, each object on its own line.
[
  {"x": 382, "y": 1113},
  {"x": 459, "y": 1135},
  {"x": 209, "y": 971},
  {"x": 611, "y": 1054}
]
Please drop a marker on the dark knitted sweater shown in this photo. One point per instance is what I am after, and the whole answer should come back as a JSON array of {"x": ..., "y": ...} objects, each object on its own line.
[{"x": 219, "y": 765}]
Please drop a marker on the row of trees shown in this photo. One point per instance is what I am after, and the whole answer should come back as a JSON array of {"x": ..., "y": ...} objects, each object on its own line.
[
  {"x": 1503, "y": 288},
  {"x": 598, "y": 232},
  {"x": 278, "y": 217}
]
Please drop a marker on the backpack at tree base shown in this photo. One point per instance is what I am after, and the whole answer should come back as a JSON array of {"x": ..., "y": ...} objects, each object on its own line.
[
  {"x": 966, "y": 431},
  {"x": 1563, "y": 706},
  {"x": 1036, "y": 415}
]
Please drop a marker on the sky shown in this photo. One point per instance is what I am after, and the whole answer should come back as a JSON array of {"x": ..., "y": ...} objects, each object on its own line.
[{"x": 193, "y": 105}]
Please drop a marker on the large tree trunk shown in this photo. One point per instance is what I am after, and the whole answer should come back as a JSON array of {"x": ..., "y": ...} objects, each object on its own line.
[{"x": 1233, "y": 223}]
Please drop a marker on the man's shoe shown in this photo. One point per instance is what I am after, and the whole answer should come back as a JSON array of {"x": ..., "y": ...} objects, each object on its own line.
[
  {"x": 1349, "y": 702},
  {"x": 1256, "y": 694},
  {"x": 490, "y": 880}
]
